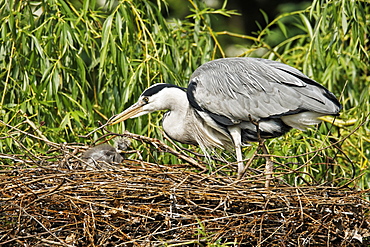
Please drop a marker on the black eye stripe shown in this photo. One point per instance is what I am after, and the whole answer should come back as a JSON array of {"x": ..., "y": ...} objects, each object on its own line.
[{"x": 158, "y": 87}]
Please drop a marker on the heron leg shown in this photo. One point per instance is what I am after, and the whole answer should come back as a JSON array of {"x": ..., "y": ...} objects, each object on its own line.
[
  {"x": 258, "y": 132},
  {"x": 235, "y": 133},
  {"x": 269, "y": 168}
]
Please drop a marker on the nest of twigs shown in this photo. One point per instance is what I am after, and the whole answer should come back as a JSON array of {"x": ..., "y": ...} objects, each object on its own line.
[{"x": 52, "y": 201}]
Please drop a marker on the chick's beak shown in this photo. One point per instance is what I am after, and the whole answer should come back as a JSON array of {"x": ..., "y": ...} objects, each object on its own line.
[{"x": 130, "y": 112}]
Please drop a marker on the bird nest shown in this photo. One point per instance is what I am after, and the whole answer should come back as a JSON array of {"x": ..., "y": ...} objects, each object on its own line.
[{"x": 53, "y": 201}]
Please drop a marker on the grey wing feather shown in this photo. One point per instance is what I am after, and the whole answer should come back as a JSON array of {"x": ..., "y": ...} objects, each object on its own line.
[{"x": 237, "y": 88}]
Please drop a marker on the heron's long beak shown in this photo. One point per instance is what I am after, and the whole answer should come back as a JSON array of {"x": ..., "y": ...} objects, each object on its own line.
[{"x": 130, "y": 112}]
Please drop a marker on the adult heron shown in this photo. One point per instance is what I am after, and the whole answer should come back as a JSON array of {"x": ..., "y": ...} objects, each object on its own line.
[{"x": 231, "y": 101}]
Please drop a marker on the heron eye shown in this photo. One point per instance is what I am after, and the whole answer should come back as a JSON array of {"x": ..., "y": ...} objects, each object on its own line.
[{"x": 146, "y": 100}]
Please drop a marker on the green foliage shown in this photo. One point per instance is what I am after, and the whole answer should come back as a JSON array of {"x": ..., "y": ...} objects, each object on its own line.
[
  {"x": 70, "y": 61},
  {"x": 74, "y": 64}
]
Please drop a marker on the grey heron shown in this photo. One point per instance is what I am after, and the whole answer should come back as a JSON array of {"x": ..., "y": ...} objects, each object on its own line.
[{"x": 231, "y": 101}]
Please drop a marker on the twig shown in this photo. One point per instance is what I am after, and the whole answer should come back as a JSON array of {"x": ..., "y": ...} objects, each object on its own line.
[
  {"x": 42, "y": 225},
  {"x": 161, "y": 146}
]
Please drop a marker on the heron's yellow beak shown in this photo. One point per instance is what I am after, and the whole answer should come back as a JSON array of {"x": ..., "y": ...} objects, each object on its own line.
[{"x": 133, "y": 111}]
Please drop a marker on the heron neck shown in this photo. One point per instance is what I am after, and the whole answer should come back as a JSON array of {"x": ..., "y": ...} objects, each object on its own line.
[
  {"x": 182, "y": 123},
  {"x": 175, "y": 121},
  {"x": 178, "y": 102}
]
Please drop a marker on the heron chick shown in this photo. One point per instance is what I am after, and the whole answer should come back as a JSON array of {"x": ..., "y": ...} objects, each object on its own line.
[
  {"x": 105, "y": 156},
  {"x": 231, "y": 101}
]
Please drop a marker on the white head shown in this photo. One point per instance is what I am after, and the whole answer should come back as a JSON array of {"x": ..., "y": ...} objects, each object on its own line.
[{"x": 155, "y": 98}]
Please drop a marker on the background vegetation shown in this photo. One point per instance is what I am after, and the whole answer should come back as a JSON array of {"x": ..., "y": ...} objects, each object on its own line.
[{"x": 64, "y": 67}]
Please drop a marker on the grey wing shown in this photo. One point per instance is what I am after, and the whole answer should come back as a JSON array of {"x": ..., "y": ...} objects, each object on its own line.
[{"x": 235, "y": 89}]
